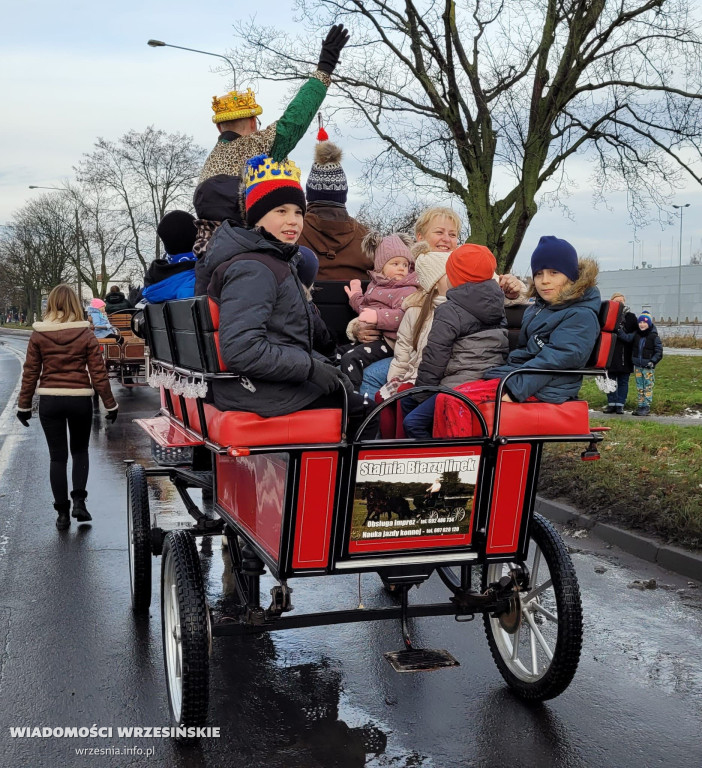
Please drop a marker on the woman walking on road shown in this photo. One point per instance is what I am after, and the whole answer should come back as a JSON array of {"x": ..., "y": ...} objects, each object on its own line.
[{"x": 63, "y": 358}]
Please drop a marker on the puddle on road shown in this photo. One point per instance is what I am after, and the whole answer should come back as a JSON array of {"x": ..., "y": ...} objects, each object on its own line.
[{"x": 640, "y": 634}]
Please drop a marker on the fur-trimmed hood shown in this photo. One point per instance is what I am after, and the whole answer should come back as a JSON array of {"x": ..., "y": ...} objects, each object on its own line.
[
  {"x": 588, "y": 269},
  {"x": 62, "y": 334}
]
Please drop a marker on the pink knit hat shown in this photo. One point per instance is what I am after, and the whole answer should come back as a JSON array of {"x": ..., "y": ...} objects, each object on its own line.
[
  {"x": 382, "y": 249},
  {"x": 97, "y": 303}
]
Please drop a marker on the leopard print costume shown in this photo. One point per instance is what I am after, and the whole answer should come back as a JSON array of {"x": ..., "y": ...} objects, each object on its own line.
[{"x": 230, "y": 156}]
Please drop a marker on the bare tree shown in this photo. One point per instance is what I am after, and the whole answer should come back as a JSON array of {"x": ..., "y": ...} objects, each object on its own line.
[
  {"x": 146, "y": 174},
  {"x": 389, "y": 218},
  {"x": 486, "y": 99},
  {"x": 36, "y": 251}
]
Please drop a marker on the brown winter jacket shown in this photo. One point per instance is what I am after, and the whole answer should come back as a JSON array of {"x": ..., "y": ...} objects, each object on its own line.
[
  {"x": 64, "y": 359},
  {"x": 336, "y": 239}
]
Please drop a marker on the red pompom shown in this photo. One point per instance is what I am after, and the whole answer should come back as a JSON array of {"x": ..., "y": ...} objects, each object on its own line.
[{"x": 322, "y": 135}]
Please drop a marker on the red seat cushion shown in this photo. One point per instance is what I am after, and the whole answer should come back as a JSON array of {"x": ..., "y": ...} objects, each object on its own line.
[
  {"x": 452, "y": 418},
  {"x": 242, "y": 429}
]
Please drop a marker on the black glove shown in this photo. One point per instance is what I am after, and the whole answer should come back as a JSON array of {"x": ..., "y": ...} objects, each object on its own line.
[
  {"x": 325, "y": 376},
  {"x": 24, "y": 417},
  {"x": 335, "y": 40},
  {"x": 111, "y": 416},
  {"x": 345, "y": 382}
]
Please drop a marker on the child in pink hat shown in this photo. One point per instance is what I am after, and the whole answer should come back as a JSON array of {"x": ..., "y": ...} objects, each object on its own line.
[
  {"x": 100, "y": 322},
  {"x": 392, "y": 280}
]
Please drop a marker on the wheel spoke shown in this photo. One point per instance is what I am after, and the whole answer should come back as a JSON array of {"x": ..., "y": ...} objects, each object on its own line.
[
  {"x": 535, "y": 568},
  {"x": 537, "y": 591},
  {"x": 534, "y": 659},
  {"x": 536, "y": 632},
  {"x": 550, "y": 616},
  {"x": 515, "y": 643}
]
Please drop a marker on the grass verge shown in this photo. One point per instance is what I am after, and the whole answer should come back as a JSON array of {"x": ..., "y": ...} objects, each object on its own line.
[
  {"x": 682, "y": 341},
  {"x": 678, "y": 387},
  {"x": 649, "y": 478}
]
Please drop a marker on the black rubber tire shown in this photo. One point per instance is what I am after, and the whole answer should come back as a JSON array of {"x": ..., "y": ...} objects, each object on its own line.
[
  {"x": 568, "y": 643},
  {"x": 139, "y": 538},
  {"x": 192, "y": 617}
]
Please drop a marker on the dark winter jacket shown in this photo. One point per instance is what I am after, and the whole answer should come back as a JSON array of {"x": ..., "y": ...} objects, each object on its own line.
[
  {"x": 621, "y": 357},
  {"x": 468, "y": 335},
  {"x": 116, "y": 302},
  {"x": 646, "y": 346},
  {"x": 336, "y": 239},
  {"x": 64, "y": 359},
  {"x": 558, "y": 335},
  {"x": 322, "y": 340},
  {"x": 220, "y": 247},
  {"x": 265, "y": 323}
]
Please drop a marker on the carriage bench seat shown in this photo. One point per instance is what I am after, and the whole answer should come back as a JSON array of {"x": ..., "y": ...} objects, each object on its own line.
[
  {"x": 242, "y": 429},
  {"x": 516, "y": 419}
]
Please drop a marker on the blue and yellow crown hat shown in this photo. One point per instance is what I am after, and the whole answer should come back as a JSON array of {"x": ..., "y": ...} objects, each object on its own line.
[{"x": 270, "y": 184}]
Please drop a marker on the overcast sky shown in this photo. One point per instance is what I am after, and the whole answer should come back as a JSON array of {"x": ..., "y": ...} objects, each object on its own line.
[{"x": 76, "y": 70}]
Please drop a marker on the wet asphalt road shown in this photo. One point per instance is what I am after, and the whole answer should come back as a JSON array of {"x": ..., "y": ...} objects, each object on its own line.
[{"x": 72, "y": 654}]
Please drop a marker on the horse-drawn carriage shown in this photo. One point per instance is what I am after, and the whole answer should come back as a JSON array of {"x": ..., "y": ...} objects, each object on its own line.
[
  {"x": 126, "y": 360},
  {"x": 294, "y": 493}
]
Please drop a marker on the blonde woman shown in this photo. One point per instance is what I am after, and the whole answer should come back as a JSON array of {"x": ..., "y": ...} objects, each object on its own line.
[{"x": 64, "y": 360}]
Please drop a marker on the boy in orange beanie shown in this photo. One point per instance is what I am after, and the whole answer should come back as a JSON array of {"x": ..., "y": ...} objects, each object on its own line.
[{"x": 468, "y": 335}]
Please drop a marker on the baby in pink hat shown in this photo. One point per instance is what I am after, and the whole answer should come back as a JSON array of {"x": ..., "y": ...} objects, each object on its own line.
[{"x": 392, "y": 280}]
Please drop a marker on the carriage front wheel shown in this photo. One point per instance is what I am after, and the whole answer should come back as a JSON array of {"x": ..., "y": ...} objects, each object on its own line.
[
  {"x": 536, "y": 646},
  {"x": 185, "y": 626},
  {"x": 139, "y": 538}
]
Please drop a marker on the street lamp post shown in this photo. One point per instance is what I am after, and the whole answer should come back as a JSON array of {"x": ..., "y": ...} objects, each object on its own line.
[
  {"x": 161, "y": 44},
  {"x": 680, "y": 208},
  {"x": 79, "y": 282},
  {"x": 632, "y": 243}
]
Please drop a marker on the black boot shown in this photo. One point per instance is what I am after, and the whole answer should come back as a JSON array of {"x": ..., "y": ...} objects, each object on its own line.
[
  {"x": 79, "y": 510},
  {"x": 610, "y": 409},
  {"x": 63, "y": 520}
]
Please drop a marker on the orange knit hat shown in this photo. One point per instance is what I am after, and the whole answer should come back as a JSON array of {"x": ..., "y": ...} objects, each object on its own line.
[{"x": 470, "y": 264}]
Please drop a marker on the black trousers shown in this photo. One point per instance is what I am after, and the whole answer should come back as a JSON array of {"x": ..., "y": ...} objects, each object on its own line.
[{"x": 56, "y": 412}]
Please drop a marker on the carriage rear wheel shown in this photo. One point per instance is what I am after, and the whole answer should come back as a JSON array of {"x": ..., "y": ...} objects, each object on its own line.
[
  {"x": 185, "y": 626},
  {"x": 139, "y": 538},
  {"x": 536, "y": 645}
]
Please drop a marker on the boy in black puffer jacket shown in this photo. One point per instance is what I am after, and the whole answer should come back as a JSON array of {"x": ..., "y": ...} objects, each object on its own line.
[{"x": 646, "y": 353}]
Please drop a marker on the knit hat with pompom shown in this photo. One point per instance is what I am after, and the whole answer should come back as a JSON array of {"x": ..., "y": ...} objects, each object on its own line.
[
  {"x": 381, "y": 249},
  {"x": 327, "y": 180}
]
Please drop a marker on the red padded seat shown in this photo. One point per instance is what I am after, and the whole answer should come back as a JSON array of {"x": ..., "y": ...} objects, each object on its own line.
[
  {"x": 516, "y": 419},
  {"x": 242, "y": 429},
  {"x": 245, "y": 430}
]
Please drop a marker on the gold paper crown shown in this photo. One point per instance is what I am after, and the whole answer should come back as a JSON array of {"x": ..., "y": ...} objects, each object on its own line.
[
  {"x": 235, "y": 105},
  {"x": 267, "y": 170}
]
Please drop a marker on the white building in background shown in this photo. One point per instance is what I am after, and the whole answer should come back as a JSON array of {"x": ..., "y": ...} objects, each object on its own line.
[{"x": 658, "y": 290}]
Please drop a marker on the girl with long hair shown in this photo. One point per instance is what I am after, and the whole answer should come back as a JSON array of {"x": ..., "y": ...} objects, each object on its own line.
[{"x": 64, "y": 360}]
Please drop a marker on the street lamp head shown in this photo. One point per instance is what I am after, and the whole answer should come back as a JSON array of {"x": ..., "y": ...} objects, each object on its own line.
[
  {"x": 686, "y": 205},
  {"x": 155, "y": 43}
]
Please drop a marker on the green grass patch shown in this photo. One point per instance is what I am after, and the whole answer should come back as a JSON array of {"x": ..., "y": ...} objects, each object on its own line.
[
  {"x": 649, "y": 478},
  {"x": 678, "y": 387}
]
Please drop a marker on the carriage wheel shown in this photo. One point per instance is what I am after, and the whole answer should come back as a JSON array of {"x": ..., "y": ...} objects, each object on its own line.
[
  {"x": 185, "y": 626},
  {"x": 139, "y": 538},
  {"x": 459, "y": 514},
  {"x": 433, "y": 516},
  {"x": 536, "y": 645}
]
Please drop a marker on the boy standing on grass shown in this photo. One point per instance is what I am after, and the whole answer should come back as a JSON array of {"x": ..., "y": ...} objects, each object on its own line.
[{"x": 646, "y": 353}]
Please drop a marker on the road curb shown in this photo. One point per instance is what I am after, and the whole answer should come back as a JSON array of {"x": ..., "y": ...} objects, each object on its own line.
[
  {"x": 676, "y": 559},
  {"x": 16, "y": 331}
]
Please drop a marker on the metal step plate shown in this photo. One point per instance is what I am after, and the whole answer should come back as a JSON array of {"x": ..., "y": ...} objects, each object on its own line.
[{"x": 420, "y": 660}]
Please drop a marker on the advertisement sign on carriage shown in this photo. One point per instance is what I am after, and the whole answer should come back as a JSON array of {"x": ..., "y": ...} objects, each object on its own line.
[{"x": 408, "y": 498}]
